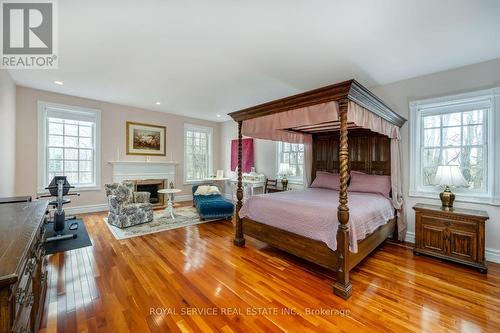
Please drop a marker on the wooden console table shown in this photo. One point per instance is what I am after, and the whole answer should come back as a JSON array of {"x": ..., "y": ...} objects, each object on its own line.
[
  {"x": 23, "y": 274},
  {"x": 456, "y": 234}
]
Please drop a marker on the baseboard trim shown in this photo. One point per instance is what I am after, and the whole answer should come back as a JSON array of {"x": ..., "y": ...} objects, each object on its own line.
[
  {"x": 86, "y": 209},
  {"x": 492, "y": 255},
  {"x": 410, "y": 237},
  {"x": 185, "y": 197}
]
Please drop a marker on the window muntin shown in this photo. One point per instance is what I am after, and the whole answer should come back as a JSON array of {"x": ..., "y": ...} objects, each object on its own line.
[
  {"x": 69, "y": 144},
  {"x": 293, "y": 154},
  {"x": 459, "y": 129},
  {"x": 197, "y": 152},
  {"x": 456, "y": 138},
  {"x": 70, "y": 150}
]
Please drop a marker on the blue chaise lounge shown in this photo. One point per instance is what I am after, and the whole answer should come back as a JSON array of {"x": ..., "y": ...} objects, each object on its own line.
[{"x": 212, "y": 206}]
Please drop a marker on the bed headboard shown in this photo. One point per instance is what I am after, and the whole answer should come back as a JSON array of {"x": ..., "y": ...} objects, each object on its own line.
[{"x": 369, "y": 152}]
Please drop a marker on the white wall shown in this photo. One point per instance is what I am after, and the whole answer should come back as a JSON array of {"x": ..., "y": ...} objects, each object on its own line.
[
  {"x": 464, "y": 79},
  {"x": 113, "y": 117},
  {"x": 7, "y": 134}
]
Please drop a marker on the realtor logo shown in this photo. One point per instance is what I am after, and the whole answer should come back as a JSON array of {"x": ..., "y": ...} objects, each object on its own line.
[{"x": 28, "y": 34}]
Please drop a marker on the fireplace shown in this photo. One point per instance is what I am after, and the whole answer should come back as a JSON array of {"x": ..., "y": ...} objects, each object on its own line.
[
  {"x": 152, "y": 186},
  {"x": 147, "y": 176}
]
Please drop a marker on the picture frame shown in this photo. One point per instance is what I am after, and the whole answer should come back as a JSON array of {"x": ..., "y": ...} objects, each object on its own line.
[{"x": 145, "y": 139}]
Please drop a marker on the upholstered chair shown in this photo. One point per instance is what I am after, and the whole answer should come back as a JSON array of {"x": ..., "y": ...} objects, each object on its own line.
[{"x": 126, "y": 207}]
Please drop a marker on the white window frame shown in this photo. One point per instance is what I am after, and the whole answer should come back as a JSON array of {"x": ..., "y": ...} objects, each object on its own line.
[
  {"x": 75, "y": 112},
  {"x": 291, "y": 179},
  {"x": 449, "y": 104},
  {"x": 209, "y": 131}
]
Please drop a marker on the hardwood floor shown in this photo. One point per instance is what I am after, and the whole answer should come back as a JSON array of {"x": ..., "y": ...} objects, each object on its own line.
[{"x": 194, "y": 280}]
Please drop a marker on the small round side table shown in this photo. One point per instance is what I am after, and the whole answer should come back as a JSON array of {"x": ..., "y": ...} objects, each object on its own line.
[{"x": 169, "y": 210}]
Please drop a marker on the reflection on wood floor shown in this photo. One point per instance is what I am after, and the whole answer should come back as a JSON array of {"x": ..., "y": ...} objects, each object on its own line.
[{"x": 194, "y": 280}]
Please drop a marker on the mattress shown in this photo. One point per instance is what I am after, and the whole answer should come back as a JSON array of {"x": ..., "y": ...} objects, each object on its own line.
[{"x": 312, "y": 213}]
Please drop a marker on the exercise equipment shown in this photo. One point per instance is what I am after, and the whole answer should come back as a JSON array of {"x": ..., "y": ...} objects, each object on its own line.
[{"x": 59, "y": 187}]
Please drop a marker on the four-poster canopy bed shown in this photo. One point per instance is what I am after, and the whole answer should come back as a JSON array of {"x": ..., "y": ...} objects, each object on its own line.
[{"x": 325, "y": 120}]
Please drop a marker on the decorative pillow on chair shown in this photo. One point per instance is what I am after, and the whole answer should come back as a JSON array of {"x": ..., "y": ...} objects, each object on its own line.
[
  {"x": 327, "y": 180},
  {"x": 361, "y": 182}
]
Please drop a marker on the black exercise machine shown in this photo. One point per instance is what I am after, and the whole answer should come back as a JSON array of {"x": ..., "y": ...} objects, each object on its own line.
[{"x": 59, "y": 187}]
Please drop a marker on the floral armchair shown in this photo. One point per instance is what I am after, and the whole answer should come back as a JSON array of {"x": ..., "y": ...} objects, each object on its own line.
[{"x": 126, "y": 207}]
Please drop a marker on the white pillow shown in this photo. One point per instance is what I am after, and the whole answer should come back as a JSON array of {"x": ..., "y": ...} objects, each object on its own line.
[
  {"x": 207, "y": 190},
  {"x": 213, "y": 190},
  {"x": 202, "y": 190}
]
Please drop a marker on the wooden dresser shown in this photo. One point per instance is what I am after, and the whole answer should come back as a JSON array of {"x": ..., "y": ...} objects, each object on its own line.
[
  {"x": 23, "y": 274},
  {"x": 456, "y": 235}
]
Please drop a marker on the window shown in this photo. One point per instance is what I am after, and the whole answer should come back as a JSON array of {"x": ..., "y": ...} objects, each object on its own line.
[
  {"x": 197, "y": 152},
  {"x": 69, "y": 145},
  {"x": 293, "y": 154},
  {"x": 456, "y": 130}
]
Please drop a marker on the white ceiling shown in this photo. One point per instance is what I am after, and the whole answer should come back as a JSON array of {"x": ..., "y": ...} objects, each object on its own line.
[{"x": 203, "y": 58}]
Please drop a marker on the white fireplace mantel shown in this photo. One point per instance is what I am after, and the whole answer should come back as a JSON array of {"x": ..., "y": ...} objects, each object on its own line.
[
  {"x": 141, "y": 170},
  {"x": 143, "y": 162}
]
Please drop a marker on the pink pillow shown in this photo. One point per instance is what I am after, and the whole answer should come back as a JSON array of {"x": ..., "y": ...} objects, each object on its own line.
[
  {"x": 327, "y": 180},
  {"x": 361, "y": 182}
]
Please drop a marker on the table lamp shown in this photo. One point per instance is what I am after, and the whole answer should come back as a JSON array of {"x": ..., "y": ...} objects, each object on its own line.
[
  {"x": 284, "y": 170},
  {"x": 449, "y": 175}
]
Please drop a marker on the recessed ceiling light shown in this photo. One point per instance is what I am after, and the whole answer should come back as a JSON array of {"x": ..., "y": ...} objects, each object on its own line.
[
  {"x": 158, "y": 103},
  {"x": 218, "y": 116},
  {"x": 59, "y": 82}
]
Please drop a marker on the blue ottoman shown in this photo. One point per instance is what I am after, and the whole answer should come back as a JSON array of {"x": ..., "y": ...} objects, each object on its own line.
[{"x": 212, "y": 206}]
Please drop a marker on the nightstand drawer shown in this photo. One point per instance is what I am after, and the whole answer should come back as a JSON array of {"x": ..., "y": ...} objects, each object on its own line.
[{"x": 453, "y": 223}]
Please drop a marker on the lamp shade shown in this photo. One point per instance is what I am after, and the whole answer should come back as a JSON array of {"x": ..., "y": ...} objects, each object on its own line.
[
  {"x": 284, "y": 169},
  {"x": 449, "y": 175}
]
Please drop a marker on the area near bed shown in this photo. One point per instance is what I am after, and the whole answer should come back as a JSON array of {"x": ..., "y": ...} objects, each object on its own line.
[
  {"x": 344, "y": 128},
  {"x": 310, "y": 213}
]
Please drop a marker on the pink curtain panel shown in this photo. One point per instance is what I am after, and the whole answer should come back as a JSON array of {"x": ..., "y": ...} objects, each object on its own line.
[{"x": 247, "y": 159}]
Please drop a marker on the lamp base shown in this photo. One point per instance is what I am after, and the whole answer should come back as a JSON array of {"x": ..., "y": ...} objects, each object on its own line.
[
  {"x": 447, "y": 198},
  {"x": 284, "y": 183}
]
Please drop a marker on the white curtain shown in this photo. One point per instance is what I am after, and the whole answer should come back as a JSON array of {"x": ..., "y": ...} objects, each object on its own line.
[
  {"x": 308, "y": 160},
  {"x": 397, "y": 187}
]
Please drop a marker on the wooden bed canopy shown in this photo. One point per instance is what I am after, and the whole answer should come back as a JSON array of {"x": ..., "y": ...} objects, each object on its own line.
[{"x": 368, "y": 152}]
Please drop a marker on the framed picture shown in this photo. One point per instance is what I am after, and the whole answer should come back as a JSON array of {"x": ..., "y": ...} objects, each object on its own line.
[{"x": 145, "y": 139}]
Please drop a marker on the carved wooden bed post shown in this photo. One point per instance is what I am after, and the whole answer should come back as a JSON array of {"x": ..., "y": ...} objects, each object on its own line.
[
  {"x": 342, "y": 286},
  {"x": 239, "y": 239}
]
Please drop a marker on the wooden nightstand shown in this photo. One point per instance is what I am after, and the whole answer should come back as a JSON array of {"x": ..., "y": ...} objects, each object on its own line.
[{"x": 456, "y": 235}]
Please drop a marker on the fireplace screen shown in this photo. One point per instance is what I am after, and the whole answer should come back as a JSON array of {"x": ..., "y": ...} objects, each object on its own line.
[
  {"x": 152, "y": 186},
  {"x": 152, "y": 189}
]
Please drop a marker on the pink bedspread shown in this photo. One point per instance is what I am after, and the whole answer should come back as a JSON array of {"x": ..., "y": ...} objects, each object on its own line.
[{"x": 312, "y": 213}]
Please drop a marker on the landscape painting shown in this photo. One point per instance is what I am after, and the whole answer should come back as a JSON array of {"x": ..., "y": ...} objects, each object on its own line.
[{"x": 145, "y": 139}]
